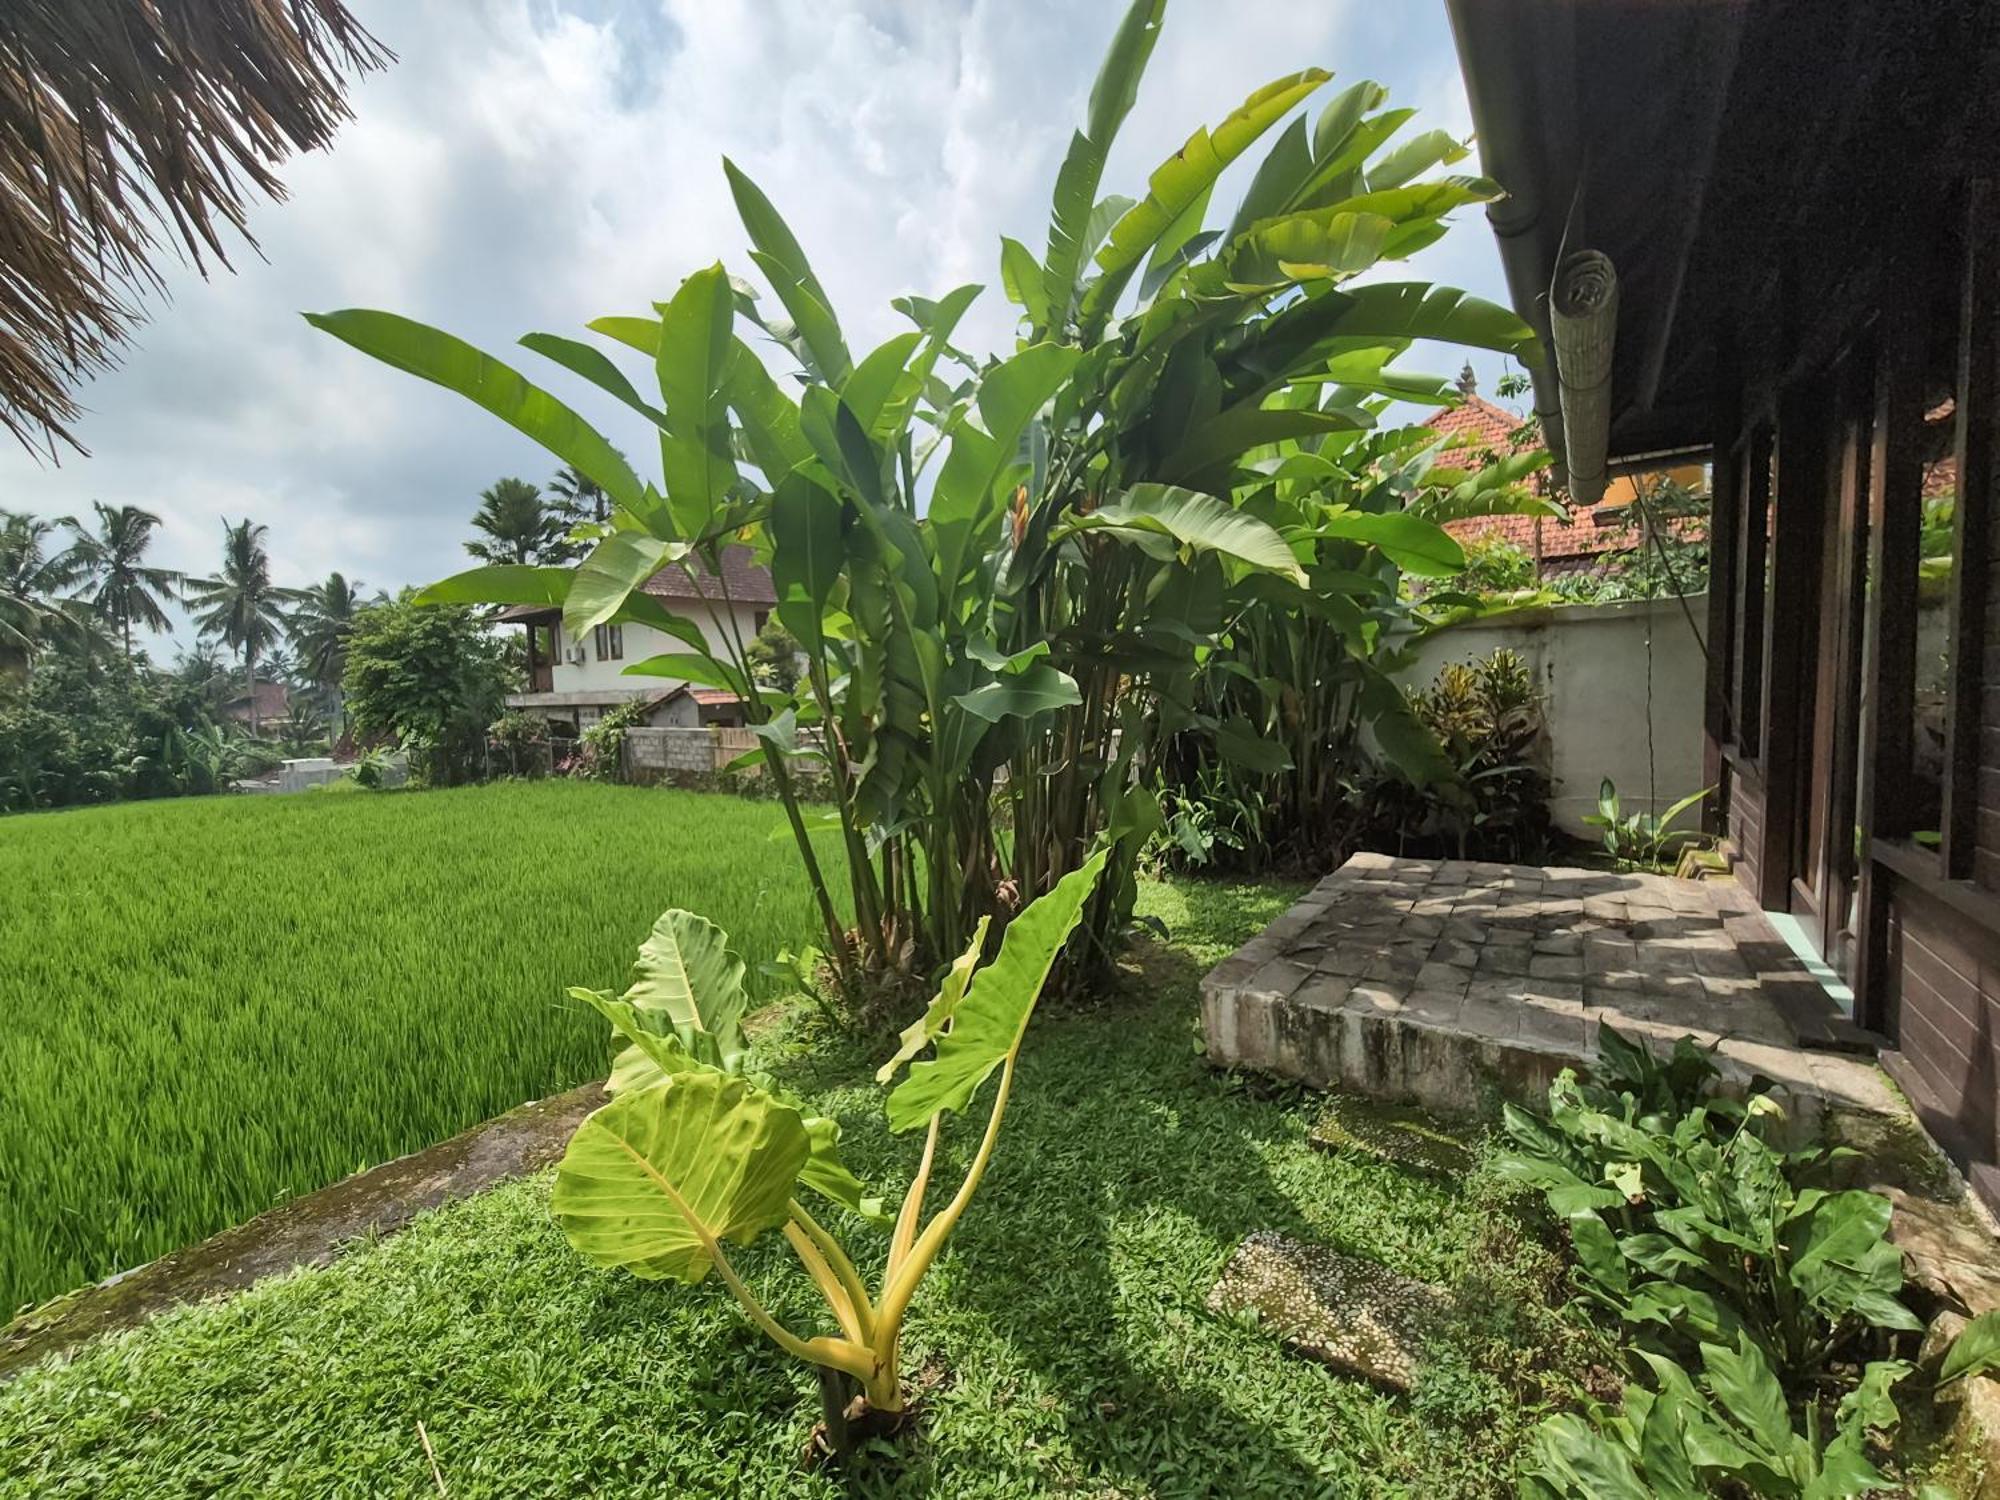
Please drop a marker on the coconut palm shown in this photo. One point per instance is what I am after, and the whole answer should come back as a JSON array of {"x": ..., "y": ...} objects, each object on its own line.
[
  {"x": 112, "y": 567},
  {"x": 35, "y": 577},
  {"x": 321, "y": 624},
  {"x": 240, "y": 605},
  {"x": 517, "y": 524},
  {"x": 574, "y": 499}
]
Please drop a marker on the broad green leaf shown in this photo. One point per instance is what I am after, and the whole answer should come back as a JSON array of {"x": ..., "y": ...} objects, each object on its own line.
[
  {"x": 1976, "y": 1349},
  {"x": 783, "y": 260},
  {"x": 826, "y": 1174},
  {"x": 1023, "y": 280},
  {"x": 1418, "y": 310},
  {"x": 696, "y": 347},
  {"x": 1404, "y": 740},
  {"x": 1210, "y": 450},
  {"x": 457, "y": 366},
  {"x": 615, "y": 568},
  {"x": 650, "y": 1054},
  {"x": 807, "y": 554},
  {"x": 1742, "y": 1381},
  {"x": 686, "y": 975},
  {"x": 689, "y": 666},
  {"x": 867, "y": 390},
  {"x": 1314, "y": 246},
  {"x": 1412, "y": 544},
  {"x": 990, "y": 1021},
  {"x": 1111, "y": 99},
  {"x": 1577, "y": 1462},
  {"x": 1279, "y": 175},
  {"x": 593, "y": 365},
  {"x": 1021, "y": 695},
  {"x": 926, "y": 1029},
  {"x": 1243, "y": 744},
  {"x": 642, "y": 334},
  {"x": 963, "y": 505},
  {"x": 655, "y": 1177},
  {"x": 1200, "y": 522},
  {"x": 501, "y": 583},
  {"x": 1414, "y": 157},
  {"x": 1182, "y": 180},
  {"x": 769, "y": 418}
]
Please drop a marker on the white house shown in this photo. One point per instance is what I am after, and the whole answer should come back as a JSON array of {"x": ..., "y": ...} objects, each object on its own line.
[{"x": 574, "y": 682}]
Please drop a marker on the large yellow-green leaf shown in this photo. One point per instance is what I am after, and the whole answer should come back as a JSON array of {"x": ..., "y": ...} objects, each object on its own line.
[
  {"x": 1196, "y": 521},
  {"x": 1307, "y": 247},
  {"x": 826, "y": 1174},
  {"x": 989, "y": 1021},
  {"x": 1182, "y": 180},
  {"x": 1210, "y": 449},
  {"x": 926, "y": 1029},
  {"x": 611, "y": 574},
  {"x": 696, "y": 347},
  {"x": 448, "y": 361},
  {"x": 500, "y": 583},
  {"x": 654, "y": 1177},
  {"x": 650, "y": 1054},
  {"x": 1111, "y": 99},
  {"x": 595, "y": 366},
  {"x": 686, "y": 974},
  {"x": 782, "y": 259},
  {"x": 1412, "y": 544}
]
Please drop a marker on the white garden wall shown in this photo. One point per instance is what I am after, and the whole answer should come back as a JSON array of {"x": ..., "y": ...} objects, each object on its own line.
[{"x": 1622, "y": 689}]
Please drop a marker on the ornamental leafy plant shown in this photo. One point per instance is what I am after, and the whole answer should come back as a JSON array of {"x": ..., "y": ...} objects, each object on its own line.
[
  {"x": 1004, "y": 571},
  {"x": 694, "y": 1153}
]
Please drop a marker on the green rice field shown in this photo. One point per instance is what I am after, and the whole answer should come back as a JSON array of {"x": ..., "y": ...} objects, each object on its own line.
[{"x": 208, "y": 1006}]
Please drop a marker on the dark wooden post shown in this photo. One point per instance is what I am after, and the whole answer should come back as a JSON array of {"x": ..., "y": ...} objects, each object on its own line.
[
  {"x": 1978, "y": 410},
  {"x": 1724, "y": 554}
]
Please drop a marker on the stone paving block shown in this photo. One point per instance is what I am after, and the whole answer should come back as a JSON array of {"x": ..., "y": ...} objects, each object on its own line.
[
  {"x": 1492, "y": 1020},
  {"x": 1324, "y": 992},
  {"x": 1346, "y": 960},
  {"x": 1354, "y": 1315},
  {"x": 1558, "y": 1026},
  {"x": 1434, "y": 1007},
  {"x": 1277, "y": 978},
  {"x": 1553, "y": 992},
  {"x": 1458, "y": 955},
  {"x": 1502, "y": 960},
  {"x": 1556, "y": 966},
  {"x": 1444, "y": 978}
]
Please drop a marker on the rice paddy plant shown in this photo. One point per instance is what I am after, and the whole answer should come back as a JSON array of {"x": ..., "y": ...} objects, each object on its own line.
[{"x": 209, "y": 1006}]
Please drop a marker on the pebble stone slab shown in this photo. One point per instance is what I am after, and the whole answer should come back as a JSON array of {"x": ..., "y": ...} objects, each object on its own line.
[
  {"x": 1442, "y": 981},
  {"x": 1359, "y": 1317}
]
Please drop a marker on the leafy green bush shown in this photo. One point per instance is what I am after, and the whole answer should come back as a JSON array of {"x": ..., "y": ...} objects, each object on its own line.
[
  {"x": 1711, "y": 1244},
  {"x": 1005, "y": 574},
  {"x": 428, "y": 680},
  {"x": 1494, "y": 565},
  {"x": 600, "y": 750},
  {"x": 1487, "y": 715},
  {"x": 1641, "y": 839}
]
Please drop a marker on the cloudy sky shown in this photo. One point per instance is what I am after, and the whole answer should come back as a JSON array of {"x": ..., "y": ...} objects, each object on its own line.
[{"x": 531, "y": 164}]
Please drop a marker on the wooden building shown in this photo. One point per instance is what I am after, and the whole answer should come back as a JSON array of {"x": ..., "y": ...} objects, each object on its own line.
[{"x": 1801, "y": 199}]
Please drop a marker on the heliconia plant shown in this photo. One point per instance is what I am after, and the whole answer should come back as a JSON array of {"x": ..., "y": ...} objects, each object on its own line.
[
  {"x": 1005, "y": 572},
  {"x": 694, "y": 1153}
]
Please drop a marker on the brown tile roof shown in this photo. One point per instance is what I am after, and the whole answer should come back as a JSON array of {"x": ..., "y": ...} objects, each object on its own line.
[
  {"x": 1481, "y": 432},
  {"x": 745, "y": 580}
]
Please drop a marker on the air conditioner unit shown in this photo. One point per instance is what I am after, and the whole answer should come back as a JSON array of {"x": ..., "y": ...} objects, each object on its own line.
[{"x": 577, "y": 656}]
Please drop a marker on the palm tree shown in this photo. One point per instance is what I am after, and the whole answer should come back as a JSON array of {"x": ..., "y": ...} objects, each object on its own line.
[
  {"x": 33, "y": 579},
  {"x": 514, "y": 517},
  {"x": 321, "y": 625},
  {"x": 577, "y": 498},
  {"x": 240, "y": 604},
  {"x": 116, "y": 580}
]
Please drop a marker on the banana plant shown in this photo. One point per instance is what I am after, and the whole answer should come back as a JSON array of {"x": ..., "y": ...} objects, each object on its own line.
[
  {"x": 1004, "y": 572},
  {"x": 695, "y": 1153}
]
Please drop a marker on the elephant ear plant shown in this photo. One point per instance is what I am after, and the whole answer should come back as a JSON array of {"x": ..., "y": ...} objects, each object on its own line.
[{"x": 694, "y": 1154}]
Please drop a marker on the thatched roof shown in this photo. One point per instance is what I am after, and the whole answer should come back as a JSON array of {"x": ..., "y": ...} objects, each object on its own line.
[{"x": 132, "y": 126}]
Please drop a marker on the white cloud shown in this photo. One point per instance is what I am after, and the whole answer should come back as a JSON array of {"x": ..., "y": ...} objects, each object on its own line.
[{"x": 529, "y": 165}]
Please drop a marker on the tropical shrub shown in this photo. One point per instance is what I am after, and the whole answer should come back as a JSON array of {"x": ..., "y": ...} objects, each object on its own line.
[
  {"x": 1170, "y": 442},
  {"x": 1494, "y": 565},
  {"x": 695, "y": 1152},
  {"x": 600, "y": 750},
  {"x": 1708, "y": 1242},
  {"x": 1642, "y": 840},
  {"x": 428, "y": 681},
  {"x": 1487, "y": 716},
  {"x": 520, "y": 744}
]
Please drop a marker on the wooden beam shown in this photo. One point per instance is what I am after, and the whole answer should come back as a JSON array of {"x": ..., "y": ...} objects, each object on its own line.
[
  {"x": 1724, "y": 550},
  {"x": 1977, "y": 399},
  {"x": 1895, "y": 518},
  {"x": 1754, "y": 503},
  {"x": 1798, "y": 508}
]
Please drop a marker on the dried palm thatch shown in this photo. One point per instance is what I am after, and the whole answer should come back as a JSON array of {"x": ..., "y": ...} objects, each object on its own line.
[{"x": 132, "y": 126}]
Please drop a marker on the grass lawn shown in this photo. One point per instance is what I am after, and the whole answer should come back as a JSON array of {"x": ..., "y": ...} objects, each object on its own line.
[
  {"x": 1063, "y": 1337},
  {"x": 209, "y": 1006}
]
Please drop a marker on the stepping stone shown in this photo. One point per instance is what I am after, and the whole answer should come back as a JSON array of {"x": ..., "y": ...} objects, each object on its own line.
[
  {"x": 1354, "y": 1315},
  {"x": 1400, "y": 1137}
]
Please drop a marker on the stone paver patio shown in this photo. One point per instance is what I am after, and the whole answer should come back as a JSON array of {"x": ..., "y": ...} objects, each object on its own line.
[{"x": 1446, "y": 982}]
